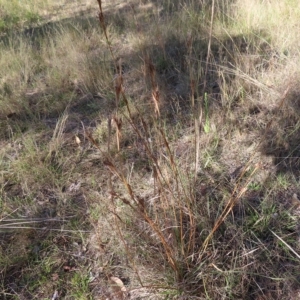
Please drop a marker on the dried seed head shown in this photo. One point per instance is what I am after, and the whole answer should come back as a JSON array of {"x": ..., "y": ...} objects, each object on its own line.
[
  {"x": 77, "y": 140},
  {"x": 156, "y": 100},
  {"x": 118, "y": 86}
]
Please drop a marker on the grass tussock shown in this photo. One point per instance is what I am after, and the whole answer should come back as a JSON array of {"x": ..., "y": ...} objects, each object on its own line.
[{"x": 149, "y": 150}]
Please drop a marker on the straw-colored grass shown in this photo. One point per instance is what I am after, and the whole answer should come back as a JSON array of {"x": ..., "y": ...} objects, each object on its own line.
[{"x": 149, "y": 149}]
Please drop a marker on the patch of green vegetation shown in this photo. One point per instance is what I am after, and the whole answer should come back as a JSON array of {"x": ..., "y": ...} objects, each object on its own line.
[
  {"x": 32, "y": 17},
  {"x": 254, "y": 186},
  {"x": 15, "y": 14},
  {"x": 80, "y": 286}
]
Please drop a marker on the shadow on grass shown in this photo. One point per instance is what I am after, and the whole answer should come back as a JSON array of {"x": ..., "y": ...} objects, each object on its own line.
[
  {"x": 282, "y": 137},
  {"x": 51, "y": 103},
  {"x": 43, "y": 256}
]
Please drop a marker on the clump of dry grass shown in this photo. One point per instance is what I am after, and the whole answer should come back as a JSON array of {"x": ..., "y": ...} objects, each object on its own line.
[
  {"x": 174, "y": 218},
  {"x": 163, "y": 147}
]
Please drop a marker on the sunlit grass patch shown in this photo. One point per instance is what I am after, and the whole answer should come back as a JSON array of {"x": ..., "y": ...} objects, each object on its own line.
[
  {"x": 16, "y": 14},
  {"x": 277, "y": 18}
]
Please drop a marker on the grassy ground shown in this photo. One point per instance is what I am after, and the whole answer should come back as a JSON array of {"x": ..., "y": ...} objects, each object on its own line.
[{"x": 151, "y": 155}]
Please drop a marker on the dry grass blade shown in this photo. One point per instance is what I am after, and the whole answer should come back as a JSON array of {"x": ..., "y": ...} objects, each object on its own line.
[
  {"x": 7, "y": 229},
  {"x": 236, "y": 196},
  {"x": 167, "y": 248},
  {"x": 118, "y": 88},
  {"x": 197, "y": 112},
  {"x": 154, "y": 86},
  {"x": 103, "y": 26},
  {"x": 92, "y": 140},
  {"x": 170, "y": 154},
  {"x": 209, "y": 43},
  {"x": 112, "y": 168},
  {"x": 235, "y": 71},
  {"x": 12, "y": 222},
  {"x": 286, "y": 244},
  {"x": 58, "y": 137},
  {"x": 151, "y": 70},
  {"x": 118, "y": 125},
  {"x": 17, "y": 224},
  {"x": 155, "y": 98}
]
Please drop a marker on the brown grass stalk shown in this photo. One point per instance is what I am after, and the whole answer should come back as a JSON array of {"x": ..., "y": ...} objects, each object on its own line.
[{"x": 236, "y": 195}]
